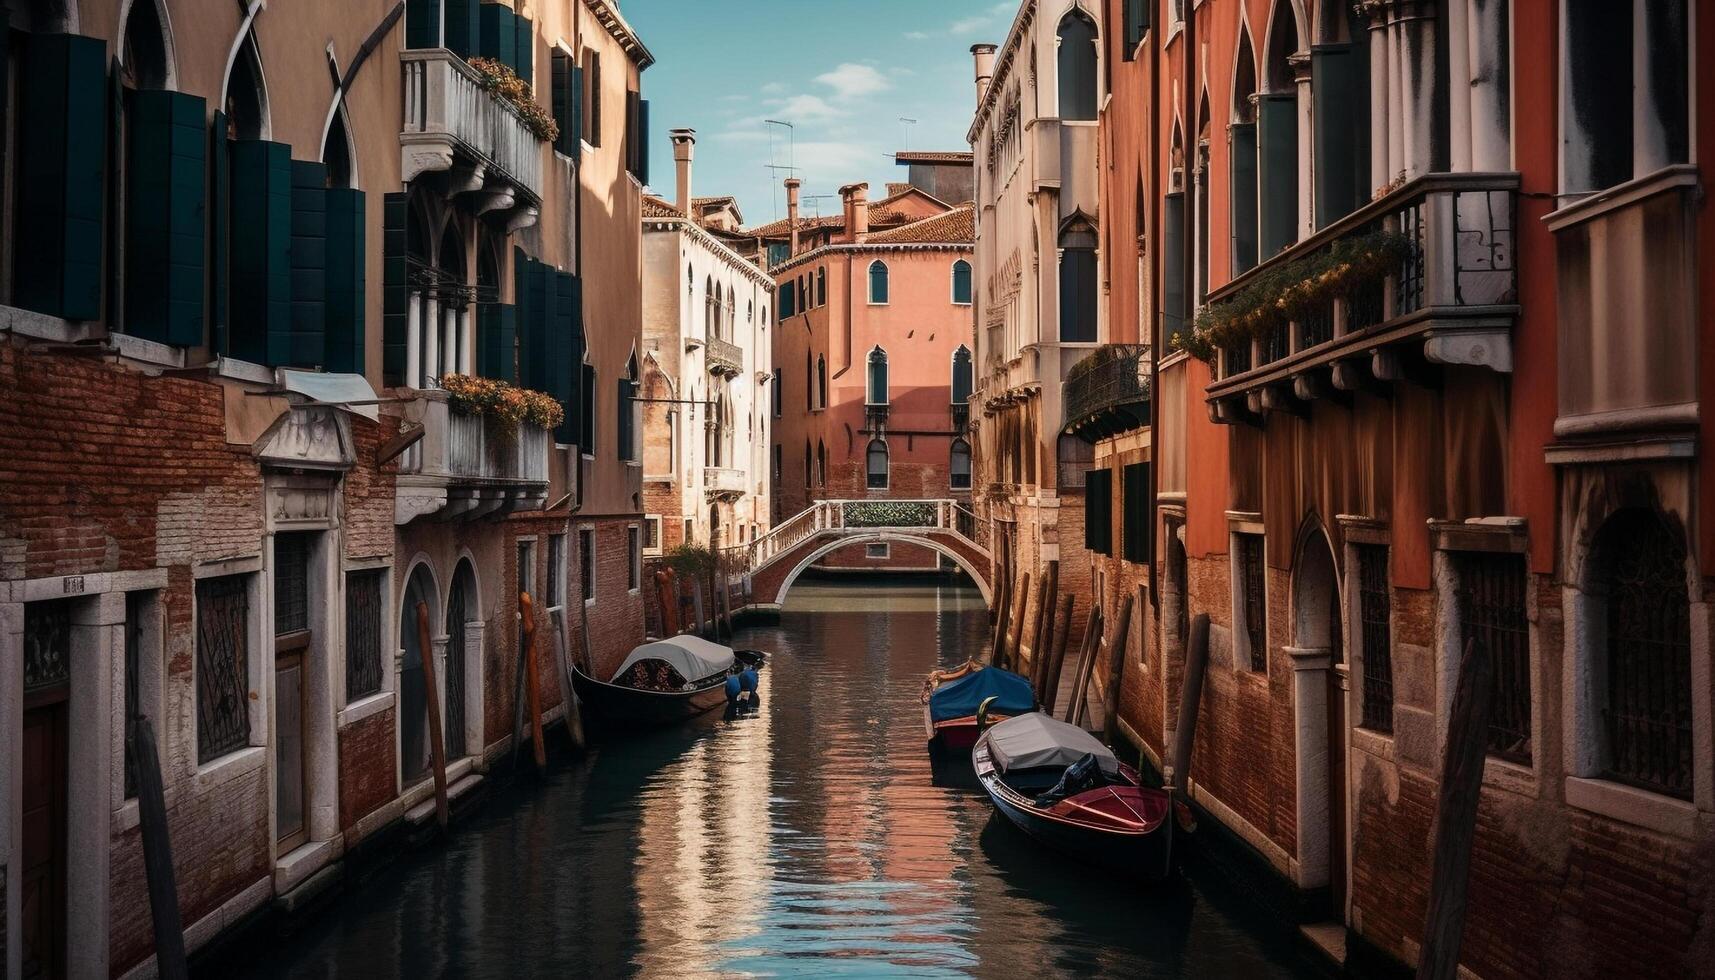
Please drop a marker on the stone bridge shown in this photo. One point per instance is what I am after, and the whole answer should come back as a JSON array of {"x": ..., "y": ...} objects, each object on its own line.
[{"x": 774, "y": 561}]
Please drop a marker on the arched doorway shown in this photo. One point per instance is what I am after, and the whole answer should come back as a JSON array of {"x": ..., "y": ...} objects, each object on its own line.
[
  {"x": 413, "y": 687},
  {"x": 1319, "y": 703},
  {"x": 461, "y": 611}
]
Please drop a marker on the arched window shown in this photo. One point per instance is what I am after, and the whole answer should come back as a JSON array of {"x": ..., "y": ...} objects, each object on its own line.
[
  {"x": 962, "y": 282},
  {"x": 878, "y": 282},
  {"x": 163, "y": 192},
  {"x": 875, "y": 393},
  {"x": 708, "y": 307},
  {"x": 1078, "y": 281},
  {"x": 1625, "y": 99},
  {"x": 821, "y": 381},
  {"x": 1077, "y": 61},
  {"x": 961, "y": 375},
  {"x": 337, "y": 154},
  {"x": 1641, "y": 669},
  {"x": 1241, "y": 134},
  {"x": 809, "y": 473},
  {"x": 959, "y": 465},
  {"x": 822, "y": 286},
  {"x": 821, "y": 463},
  {"x": 1277, "y": 136},
  {"x": 246, "y": 101},
  {"x": 876, "y": 465},
  {"x": 1201, "y": 184},
  {"x": 809, "y": 383}
]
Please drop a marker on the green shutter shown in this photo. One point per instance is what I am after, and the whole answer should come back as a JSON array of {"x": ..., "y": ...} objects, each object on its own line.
[
  {"x": 643, "y": 140},
  {"x": 164, "y": 221},
  {"x": 1277, "y": 170},
  {"x": 567, "y": 350},
  {"x": 422, "y": 23},
  {"x": 395, "y": 296},
  {"x": 497, "y": 331},
  {"x": 1173, "y": 263},
  {"x": 535, "y": 309},
  {"x": 1136, "y": 514},
  {"x": 1098, "y": 507},
  {"x": 575, "y": 112},
  {"x": 62, "y": 142},
  {"x": 622, "y": 424},
  {"x": 346, "y": 278},
  {"x": 261, "y": 251},
  {"x": 567, "y": 101},
  {"x": 220, "y": 220},
  {"x": 463, "y": 29},
  {"x": 1136, "y": 23},
  {"x": 525, "y": 47},
  {"x": 1335, "y": 115},
  {"x": 309, "y": 264},
  {"x": 1243, "y": 189},
  {"x": 499, "y": 33},
  {"x": 586, "y": 411}
]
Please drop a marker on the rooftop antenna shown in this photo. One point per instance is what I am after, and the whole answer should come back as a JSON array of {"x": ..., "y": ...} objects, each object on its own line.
[
  {"x": 905, "y": 124},
  {"x": 818, "y": 198},
  {"x": 791, "y": 158}
]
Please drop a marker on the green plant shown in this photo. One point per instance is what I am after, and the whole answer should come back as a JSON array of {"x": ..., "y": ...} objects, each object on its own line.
[
  {"x": 500, "y": 81},
  {"x": 689, "y": 560},
  {"x": 501, "y": 402}
]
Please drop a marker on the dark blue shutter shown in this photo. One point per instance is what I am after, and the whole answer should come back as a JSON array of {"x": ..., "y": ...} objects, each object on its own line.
[
  {"x": 1243, "y": 187},
  {"x": 497, "y": 332},
  {"x": 1098, "y": 511},
  {"x": 643, "y": 140},
  {"x": 219, "y": 207},
  {"x": 566, "y": 94},
  {"x": 1135, "y": 517},
  {"x": 164, "y": 220},
  {"x": 1077, "y": 294},
  {"x": 395, "y": 292},
  {"x": 463, "y": 29},
  {"x": 62, "y": 142},
  {"x": 499, "y": 34},
  {"x": 586, "y": 410},
  {"x": 961, "y": 281},
  {"x": 622, "y": 444},
  {"x": 1337, "y": 116},
  {"x": 1277, "y": 166},
  {"x": 525, "y": 47},
  {"x": 1136, "y": 23},
  {"x": 422, "y": 23},
  {"x": 536, "y": 311},
  {"x": 261, "y": 249},
  {"x": 309, "y": 264},
  {"x": 346, "y": 278}
]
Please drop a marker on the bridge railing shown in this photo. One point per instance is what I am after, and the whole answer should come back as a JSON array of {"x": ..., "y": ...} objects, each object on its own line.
[{"x": 859, "y": 516}]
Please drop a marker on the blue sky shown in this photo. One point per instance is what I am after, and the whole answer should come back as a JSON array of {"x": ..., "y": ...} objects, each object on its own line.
[{"x": 843, "y": 72}]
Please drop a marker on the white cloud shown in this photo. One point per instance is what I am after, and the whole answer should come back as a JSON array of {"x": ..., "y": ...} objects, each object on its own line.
[
  {"x": 806, "y": 109},
  {"x": 772, "y": 88},
  {"x": 976, "y": 22},
  {"x": 916, "y": 36},
  {"x": 854, "y": 81}
]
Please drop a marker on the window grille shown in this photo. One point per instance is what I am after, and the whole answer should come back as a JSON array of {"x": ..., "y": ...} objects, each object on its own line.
[
  {"x": 1255, "y": 598},
  {"x": 292, "y": 582},
  {"x": 363, "y": 610},
  {"x": 47, "y": 644},
  {"x": 876, "y": 478},
  {"x": 223, "y": 666},
  {"x": 1491, "y": 607},
  {"x": 556, "y": 560},
  {"x": 1373, "y": 609},
  {"x": 134, "y": 605}
]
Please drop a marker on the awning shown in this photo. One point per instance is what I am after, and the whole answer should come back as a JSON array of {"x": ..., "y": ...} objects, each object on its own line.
[
  {"x": 693, "y": 657},
  {"x": 1036, "y": 741},
  {"x": 350, "y": 392}
]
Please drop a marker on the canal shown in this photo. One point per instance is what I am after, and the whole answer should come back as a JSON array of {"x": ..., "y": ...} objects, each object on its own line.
[{"x": 805, "y": 840}]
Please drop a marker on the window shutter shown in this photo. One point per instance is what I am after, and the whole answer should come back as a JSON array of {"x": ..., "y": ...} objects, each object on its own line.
[
  {"x": 1339, "y": 117},
  {"x": 165, "y": 184},
  {"x": 395, "y": 295},
  {"x": 423, "y": 23},
  {"x": 1136, "y": 515},
  {"x": 622, "y": 445},
  {"x": 261, "y": 252},
  {"x": 568, "y": 344},
  {"x": 463, "y": 27},
  {"x": 62, "y": 142},
  {"x": 220, "y": 219},
  {"x": 575, "y": 112},
  {"x": 1136, "y": 23},
  {"x": 535, "y": 310},
  {"x": 586, "y": 413},
  {"x": 346, "y": 278},
  {"x": 499, "y": 34},
  {"x": 643, "y": 140},
  {"x": 561, "y": 80},
  {"x": 497, "y": 332},
  {"x": 1173, "y": 262},
  {"x": 1277, "y": 138},
  {"x": 526, "y": 49},
  {"x": 1244, "y": 196},
  {"x": 309, "y": 264},
  {"x": 1098, "y": 502}
]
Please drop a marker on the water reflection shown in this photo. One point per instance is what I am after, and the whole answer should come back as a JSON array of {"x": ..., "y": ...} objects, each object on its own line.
[{"x": 806, "y": 839}]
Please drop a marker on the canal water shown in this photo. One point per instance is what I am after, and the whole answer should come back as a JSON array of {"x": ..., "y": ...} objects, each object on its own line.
[{"x": 807, "y": 840}]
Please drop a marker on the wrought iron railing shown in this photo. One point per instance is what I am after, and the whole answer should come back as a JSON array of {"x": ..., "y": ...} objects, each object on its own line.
[
  {"x": 1113, "y": 376},
  {"x": 862, "y": 517}
]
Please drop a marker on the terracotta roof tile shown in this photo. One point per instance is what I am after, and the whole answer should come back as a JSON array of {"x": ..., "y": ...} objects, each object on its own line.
[
  {"x": 933, "y": 156},
  {"x": 655, "y": 207},
  {"x": 957, "y": 226}
]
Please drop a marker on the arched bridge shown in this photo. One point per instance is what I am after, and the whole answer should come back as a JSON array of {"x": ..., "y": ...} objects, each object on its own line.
[{"x": 948, "y": 527}]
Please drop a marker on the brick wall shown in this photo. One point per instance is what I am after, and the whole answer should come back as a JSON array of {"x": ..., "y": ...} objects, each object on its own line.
[
  {"x": 900, "y": 556},
  {"x": 366, "y": 767},
  {"x": 368, "y": 493}
]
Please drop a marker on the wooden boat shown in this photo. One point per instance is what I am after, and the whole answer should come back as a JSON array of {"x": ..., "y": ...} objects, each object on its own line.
[
  {"x": 667, "y": 698},
  {"x": 1111, "y": 821},
  {"x": 951, "y": 700}
]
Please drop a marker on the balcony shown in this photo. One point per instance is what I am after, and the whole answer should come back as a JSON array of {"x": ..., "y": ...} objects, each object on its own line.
[
  {"x": 961, "y": 416},
  {"x": 1626, "y": 269},
  {"x": 453, "y": 125},
  {"x": 465, "y": 467},
  {"x": 723, "y": 481},
  {"x": 1448, "y": 297},
  {"x": 724, "y": 358},
  {"x": 1107, "y": 393}
]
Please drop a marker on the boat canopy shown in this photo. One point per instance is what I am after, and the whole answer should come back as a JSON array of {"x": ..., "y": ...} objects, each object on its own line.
[
  {"x": 1036, "y": 741},
  {"x": 960, "y": 698},
  {"x": 692, "y": 656}
]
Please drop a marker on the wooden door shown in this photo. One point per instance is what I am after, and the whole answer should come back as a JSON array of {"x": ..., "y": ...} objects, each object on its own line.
[
  {"x": 43, "y": 905},
  {"x": 292, "y": 645}
]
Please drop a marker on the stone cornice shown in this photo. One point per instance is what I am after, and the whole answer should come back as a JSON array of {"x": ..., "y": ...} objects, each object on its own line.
[
  {"x": 610, "y": 18},
  {"x": 713, "y": 244},
  {"x": 839, "y": 247}
]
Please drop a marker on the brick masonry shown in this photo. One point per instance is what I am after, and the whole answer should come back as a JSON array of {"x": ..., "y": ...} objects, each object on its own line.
[{"x": 366, "y": 766}]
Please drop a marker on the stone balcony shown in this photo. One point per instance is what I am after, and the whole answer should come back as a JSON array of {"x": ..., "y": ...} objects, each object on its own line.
[
  {"x": 723, "y": 481},
  {"x": 453, "y": 125},
  {"x": 1108, "y": 392},
  {"x": 1452, "y": 300},
  {"x": 463, "y": 468},
  {"x": 723, "y": 358}
]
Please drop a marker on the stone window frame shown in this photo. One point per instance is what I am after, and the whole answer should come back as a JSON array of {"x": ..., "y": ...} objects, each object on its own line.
[
  {"x": 1246, "y": 522},
  {"x": 385, "y": 698},
  {"x": 1360, "y": 530},
  {"x": 586, "y": 549},
  {"x": 1502, "y": 534},
  {"x": 869, "y": 551},
  {"x": 653, "y": 520}
]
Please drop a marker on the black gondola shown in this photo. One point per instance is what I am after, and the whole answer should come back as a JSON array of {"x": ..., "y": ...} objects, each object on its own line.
[{"x": 650, "y": 688}]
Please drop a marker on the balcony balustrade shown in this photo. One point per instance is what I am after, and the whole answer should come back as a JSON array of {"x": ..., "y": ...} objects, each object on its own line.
[
  {"x": 723, "y": 481},
  {"x": 451, "y": 123},
  {"x": 465, "y": 467},
  {"x": 1108, "y": 392},
  {"x": 1451, "y": 298},
  {"x": 724, "y": 358}
]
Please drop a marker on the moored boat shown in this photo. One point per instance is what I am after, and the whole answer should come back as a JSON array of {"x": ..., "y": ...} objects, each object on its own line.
[
  {"x": 952, "y": 701},
  {"x": 1064, "y": 788},
  {"x": 663, "y": 682}
]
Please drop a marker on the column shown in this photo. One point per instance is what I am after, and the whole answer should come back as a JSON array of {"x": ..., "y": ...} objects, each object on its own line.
[
  {"x": 1395, "y": 89},
  {"x": 431, "y": 341},
  {"x": 1459, "y": 92},
  {"x": 1306, "y": 223},
  {"x": 450, "y": 352},
  {"x": 414, "y": 340},
  {"x": 1490, "y": 65},
  {"x": 1381, "y": 122},
  {"x": 465, "y": 347},
  {"x": 1418, "y": 79}
]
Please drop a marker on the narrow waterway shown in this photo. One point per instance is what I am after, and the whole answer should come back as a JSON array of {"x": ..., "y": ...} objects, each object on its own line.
[{"x": 805, "y": 840}]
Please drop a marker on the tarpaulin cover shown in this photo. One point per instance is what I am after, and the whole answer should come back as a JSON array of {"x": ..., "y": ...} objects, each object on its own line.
[
  {"x": 960, "y": 698},
  {"x": 1036, "y": 741},
  {"x": 693, "y": 657}
]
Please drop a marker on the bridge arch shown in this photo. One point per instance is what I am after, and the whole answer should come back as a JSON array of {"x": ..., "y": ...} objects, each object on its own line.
[{"x": 979, "y": 576}]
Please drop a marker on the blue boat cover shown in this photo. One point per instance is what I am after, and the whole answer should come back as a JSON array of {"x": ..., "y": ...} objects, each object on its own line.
[{"x": 960, "y": 698}]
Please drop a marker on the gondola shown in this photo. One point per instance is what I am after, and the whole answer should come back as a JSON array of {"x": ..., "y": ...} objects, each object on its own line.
[
  {"x": 1061, "y": 786},
  {"x": 650, "y": 688},
  {"x": 950, "y": 702}
]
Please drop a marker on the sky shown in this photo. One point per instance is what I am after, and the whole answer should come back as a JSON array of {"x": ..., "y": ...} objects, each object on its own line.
[{"x": 843, "y": 72}]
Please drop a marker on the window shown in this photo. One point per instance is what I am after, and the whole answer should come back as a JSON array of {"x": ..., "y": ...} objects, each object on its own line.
[
  {"x": 633, "y": 558},
  {"x": 689, "y": 531},
  {"x": 1078, "y": 281},
  {"x": 1136, "y": 26},
  {"x": 822, "y": 286},
  {"x": 1136, "y": 515},
  {"x": 223, "y": 666},
  {"x": 809, "y": 471},
  {"x": 821, "y": 382},
  {"x": 586, "y": 562},
  {"x": 592, "y": 97},
  {"x": 652, "y": 534},
  {"x": 1490, "y": 597},
  {"x": 959, "y": 465},
  {"x": 877, "y": 549},
  {"x": 961, "y": 383},
  {"x": 1242, "y": 161},
  {"x": 821, "y": 463},
  {"x": 1609, "y": 78},
  {"x": 878, "y": 282},
  {"x": 876, "y": 391},
  {"x": 1098, "y": 512},
  {"x": 567, "y": 100},
  {"x": 556, "y": 593},
  {"x": 787, "y": 306},
  {"x": 586, "y": 423},
  {"x": 962, "y": 283},
  {"x": 1077, "y": 65},
  {"x": 134, "y": 626},
  {"x": 1251, "y": 607},
  {"x": 363, "y": 617},
  {"x": 1277, "y": 137},
  {"x": 627, "y": 420},
  {"x": 877, "y": 465},
  {"x": 1374, "y": 636}
]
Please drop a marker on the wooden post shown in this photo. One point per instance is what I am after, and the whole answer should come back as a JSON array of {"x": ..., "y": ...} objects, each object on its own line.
[
  {"x": 1178, "y": 774},
  {"x": 1116, "y": 669},
  {"x": 569, "y": 695},
  {"x": 532, "y": 674},
  {"x": 1002, "y": 598},
  {"x": 1040, "y": 646},
  {"x": 157, "y": 850},
  {"x": 697, "y": 605},
  {"x": 1086, "y": 665},
  {"x": 1022, "y": 664},
  {"x": 437, "y": 748},
  {"x": 1051, "y": 676},
  {"x": 1016, "y": 632},
  {"x": 1456, "y": 817}
]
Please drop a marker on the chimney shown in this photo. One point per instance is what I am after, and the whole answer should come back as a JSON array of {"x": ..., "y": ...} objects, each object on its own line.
[
  {"x": 792, "y": 185},
  {"x": 855, "y": 197},
  {"x": 684, "y": 147},
  {"x": 983, "y": 54}
]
